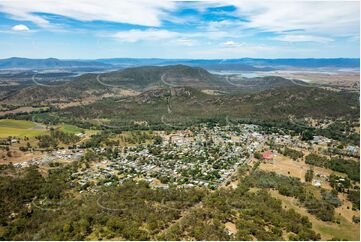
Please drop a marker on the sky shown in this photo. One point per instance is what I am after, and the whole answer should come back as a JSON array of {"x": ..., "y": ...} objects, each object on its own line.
[{"x": 90, "y": 29}]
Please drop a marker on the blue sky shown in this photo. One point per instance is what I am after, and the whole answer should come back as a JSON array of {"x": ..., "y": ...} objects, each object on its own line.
[{"x": 89, "y": 29}]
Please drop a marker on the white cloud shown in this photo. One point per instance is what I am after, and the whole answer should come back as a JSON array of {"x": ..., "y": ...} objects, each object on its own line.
[
  {"x": 138, "y": 12},
  {"x": 328, "y": 17},
  {"x": 231, "y": 44},
  {"x": 218, "y": 25},
  {"x": 333, "y": 18},
  {"x": 20, "y": 28},
  {"x": 217, "y": 34},
  {"x": 186, "y": 42},
  {"x": 136, "y": 35},
  {"x": 303, "y": 38},
  {"x": 183, "y": 38}
]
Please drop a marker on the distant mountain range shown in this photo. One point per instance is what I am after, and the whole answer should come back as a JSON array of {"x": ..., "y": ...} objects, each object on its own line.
[
  {"x": 243, "y": 64},
  {"x": 49, "y": 63},
  {"x": 251, "y": 64}
]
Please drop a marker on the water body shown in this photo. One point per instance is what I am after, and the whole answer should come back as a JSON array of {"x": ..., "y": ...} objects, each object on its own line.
[{"x": 247, "y": 74}]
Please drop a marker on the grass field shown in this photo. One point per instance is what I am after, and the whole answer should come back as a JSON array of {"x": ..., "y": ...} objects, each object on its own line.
[
  {"x": 19, "y": 124},
  {"x": 21, "y": 128},
  {"x": 6, "y": 132},
  {"x": 18, "y": 128},
  {"x": 70, "y": 129}
]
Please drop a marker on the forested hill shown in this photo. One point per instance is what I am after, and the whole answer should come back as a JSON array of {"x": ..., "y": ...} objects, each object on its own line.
[
  {"x": 184, "y": 105},
  {"x": 150, "y": 77},
  {"x": 137, "y": 79},
  {"x": 153, "y": 76}
]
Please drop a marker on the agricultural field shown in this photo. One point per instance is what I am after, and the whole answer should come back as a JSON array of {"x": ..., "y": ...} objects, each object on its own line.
[{"x": 20, "y": 128}]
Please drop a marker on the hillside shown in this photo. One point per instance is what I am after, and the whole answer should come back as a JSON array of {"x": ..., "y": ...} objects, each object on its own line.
[
  {"x": 183, "y": 105},
  {"x": 140, "y": 79},
  {"x": 151, "y": 76}
]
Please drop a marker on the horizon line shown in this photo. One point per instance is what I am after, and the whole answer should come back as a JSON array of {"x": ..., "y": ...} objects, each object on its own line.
[{"x": 276, "y": 58}]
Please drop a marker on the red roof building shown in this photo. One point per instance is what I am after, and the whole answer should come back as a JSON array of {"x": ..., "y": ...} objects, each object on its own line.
[{"x": 268, "y": 155}]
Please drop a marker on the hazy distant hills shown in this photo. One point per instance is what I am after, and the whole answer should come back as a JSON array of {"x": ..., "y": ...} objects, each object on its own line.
[
  {"x": 50, "y": 63},
  {"x": 242, "y": 64},
  {"x": 214, "y": 65}
]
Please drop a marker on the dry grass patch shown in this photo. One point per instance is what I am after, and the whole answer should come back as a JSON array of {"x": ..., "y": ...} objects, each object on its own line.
[
  {"x": 345, "y": 210},
  {"x": 231, "y": 227},
  {"x": 284, "y": 165},
  {"x": 328, "y": 230}
]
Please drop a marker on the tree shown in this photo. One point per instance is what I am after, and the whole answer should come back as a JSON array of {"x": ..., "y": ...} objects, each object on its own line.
[
  {"x": 158, "y": 140},
  {"x": 307, "y": 135},
  {"x": 257, "y": 155},
  {"x": 309, "y": 175}
]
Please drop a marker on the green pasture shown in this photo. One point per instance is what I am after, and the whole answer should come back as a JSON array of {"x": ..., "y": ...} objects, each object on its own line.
[{"x": 19, "y": 128}]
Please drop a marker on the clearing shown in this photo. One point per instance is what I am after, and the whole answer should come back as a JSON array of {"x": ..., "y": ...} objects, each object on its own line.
[
  {"x": 286, "y": 166},
  {"x": 328, "y": 230}
]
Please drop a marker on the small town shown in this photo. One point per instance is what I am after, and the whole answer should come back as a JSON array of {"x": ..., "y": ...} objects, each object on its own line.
[{"x": 201, "y": 156}]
